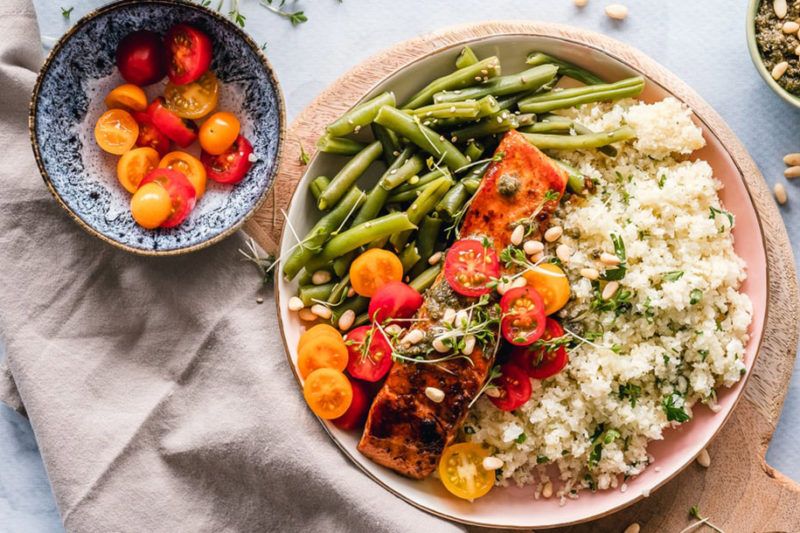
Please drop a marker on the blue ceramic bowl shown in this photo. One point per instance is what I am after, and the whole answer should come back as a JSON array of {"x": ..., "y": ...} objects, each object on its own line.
[{"x": 68, "y": 99}]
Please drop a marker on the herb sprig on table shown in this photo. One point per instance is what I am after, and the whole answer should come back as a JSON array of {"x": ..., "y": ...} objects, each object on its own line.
[{"x": 295, "y": 17}]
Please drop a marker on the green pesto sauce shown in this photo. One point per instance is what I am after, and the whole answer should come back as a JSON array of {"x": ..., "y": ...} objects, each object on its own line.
[{"x": 508, "y": 184}]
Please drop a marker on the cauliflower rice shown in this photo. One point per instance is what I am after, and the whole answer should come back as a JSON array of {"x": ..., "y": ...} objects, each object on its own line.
[{"x": 678, "y": 326}]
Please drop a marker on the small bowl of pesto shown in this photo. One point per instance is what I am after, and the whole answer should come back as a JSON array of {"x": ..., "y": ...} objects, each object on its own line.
[{"x": 773, "y": 38}]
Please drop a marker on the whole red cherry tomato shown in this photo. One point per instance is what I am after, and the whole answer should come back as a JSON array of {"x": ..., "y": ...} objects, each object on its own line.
[
  {"x": 356, "y": 414},
  {"x": 140, "y": 58},
  {"x": 394, "y": 300}
]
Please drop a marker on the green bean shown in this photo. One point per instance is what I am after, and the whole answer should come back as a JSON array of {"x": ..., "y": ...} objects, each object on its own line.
[
  {"x": 507, "y": 102},
  {"x": 491, "y": 125},
  {"x": 452, "y": 201},
  {"x": 357, "y": 304},
  {"x": 524, "y": 81},
  {"x": 486, "y": 106},
  {"x": 311, "y": 294},
  {"x": 424, "y": 204},
  {"x": 471, "y": 184},
  {"x": 360, "y": 115},
  {"x": 423, "y": 180},
  {"x": 580, "y": 129},
  {"x": 405, "y": 196},
  {"x": 454, "y": 110},
  {"x": 554, "y": 124},
  {"x": 576, "y": 182},
  {"x": 564, "y": 68},
  {"x": 409, "y": 127},
  {"x": 339, "y": 290},
  {"x": 305, "y": 278},
  {"x": 582, "y": 95},
  {"x": 318, "y": 185},
  {"x": 395, "y": 177},
  {"x": 409, "y": 256},
  {"x": 360, "y": 235},
  {"x": 341, "y": 265},
  {"x": 427, "y": 238},
  {"x": 321, "y": 232},
  {"x": 463, "y": 77},
  {"x": 466, "y": 58},
  {"x": 339, "y": 145},
  {"x": 404, "y": 167},
  {"x": 546, "y": 141},
  {"x": 361, "y": 320},
  {"x": 426, "y": 278},
  {"x": 389, "y": 142},
  {"x": 474, "y": 150},
  {"x": 348, "y": 175}
]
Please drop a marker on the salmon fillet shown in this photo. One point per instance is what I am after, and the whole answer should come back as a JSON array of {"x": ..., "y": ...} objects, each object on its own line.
[{"x": 405, "y": 430}]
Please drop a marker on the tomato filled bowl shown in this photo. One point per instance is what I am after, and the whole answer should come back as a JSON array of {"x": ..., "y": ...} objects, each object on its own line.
[{"x": 157, "y": 125}]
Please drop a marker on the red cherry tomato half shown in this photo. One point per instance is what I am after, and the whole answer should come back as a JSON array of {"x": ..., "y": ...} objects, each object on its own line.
[
  {"x": 149, "y": 135},
  {"x": 370, "y": 355},
  {"x": 356, "y": 414},
  {"x": 180, "y": 190},
  {"x": 140, "y": 58},
  {"x": 230, "y": 166},
  {"x": 514, "y": 387},
  {"x": 189, "y": 54},
  {"x": 394, "y": 300},
  {"x": 180, "y": 130},
  {"x": 469, "y": 266},
  {"x": 539, "y": 362},
  {"x": 523, "y": 317}
]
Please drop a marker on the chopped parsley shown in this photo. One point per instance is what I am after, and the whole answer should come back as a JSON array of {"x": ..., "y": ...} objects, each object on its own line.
[
  {"x": 541, "y": 459},
  {"x": 713, "y": 215},
  {"x": 600, "y": 438},
  {"x": 522, "y": 438},
  {"x": 630, "y": 391},
  {"x": 617, "y": 273},
  {"x": 673, "y": 408},
  {"x": 661, "y": 180},
  {"x": 675, "y": 275},
  {"x": 66, "y": 12},
  {"x": 695, "y": 297}
]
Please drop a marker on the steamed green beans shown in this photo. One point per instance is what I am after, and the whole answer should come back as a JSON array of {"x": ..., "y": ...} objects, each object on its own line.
[
  {"x": 547, "y": 141},
  {"x": 576, "y": 182},
  {"x": 311, "y": 294},
  {"x": 404, "y": 167},
  {"x": 424, "y": 204},
  {"x": 339, "y": 145},
  {"x": 582, "y": 95},
  {"x": 389, "y": 142},
  {"x": 463, "y": 77},
  {"x": 466, "y": 58},
  {"x": 409, "y": 257},
  {"x": 318, "y": 185},
  {"x": 424, "y": 280},
  {"x": 357, "y": 304},
  {"x": 491, "y": 125},
  {"x": 360, "y": 116},
  {"x": 564, "y": 68},
  {"x": 528, "y": 80},
  {"x": 348, "y": 175},
  {"x": 427, "y": 238}
]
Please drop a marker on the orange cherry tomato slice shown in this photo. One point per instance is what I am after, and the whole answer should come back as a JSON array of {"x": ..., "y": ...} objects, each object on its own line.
[
  {"x": 373, "y": 269},
  {"x": 151, "y": 205},
  {"x": 128, "y": 97},
  {"x": 552, "y": 285},
  {"x": 116, "y": 131},
  {"x": 134, "y": 165},
  {"x": 193, "y": 100},
  {"x": 180, "y": 191},
  {"x": 328, "y": 393},
  {"x": 219, "y": 132},
  {"x": 462, "y": 473},
  {"x": 189, "y": 166},
  {"x": 325, "y": 351},
  {"x": 315, "y": 331}
]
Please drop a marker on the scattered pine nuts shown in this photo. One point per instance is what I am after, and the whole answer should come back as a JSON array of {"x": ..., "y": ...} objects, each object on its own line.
[
  {"x": 616, "y": 11},
  {"x": 492, "y": 463},
  {"x": 609, "y": 259},
  {"x": 581, "y": 3},
  {"x": 320, "y": 277},
  {"x": 449, "y": 315},
  {"x": 435, "y": 395},
  {"x": 563, "y": 252},
  {"x": 440, "y": 346},
  {"x": 790, "y": 26},
  {"x": 306, "y": 315},
  {"x": 780, "y": 193},
  {"x": 532, "y": 247},
  {"x": 547, "y": 490},
  {"x": 462, "y": 319},
  {"x": 469, "y": 345},
  {"x": 517, "y": 235},
  {"x": 779, "y": 70},
  {"x": 347, "y": 319},
  {"x": 703, "y": 459},
  {"x": 321, "y": 311},
  {"x": 633, "y": 528},
  {"x": 553, "y": 234},
  {"x": 610, "y": 290},
  {"x": 537, "y": 257},
  {"x": 492, "y": 392},
  {"x": 435, "y": 258},
  {"x": 792, "y": 172},
  {"x": 590, "y": 273},
  {"x": 295, "y": 304},
  {"x": 351, "y": 292},
  {"x": 792, "y": 160},
  {"x": 780, "y": 8},
  {"x": 413, "y": 336},
  {"x": 393, "y": 329},
  {"x": 519, "y": 282}
]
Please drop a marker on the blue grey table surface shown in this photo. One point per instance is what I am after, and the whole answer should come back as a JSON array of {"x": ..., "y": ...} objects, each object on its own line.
[{"x": 702, "y": 42}]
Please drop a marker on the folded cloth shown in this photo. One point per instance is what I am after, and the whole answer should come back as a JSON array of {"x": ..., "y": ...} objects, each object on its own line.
[{"x": 157, "y": 388}]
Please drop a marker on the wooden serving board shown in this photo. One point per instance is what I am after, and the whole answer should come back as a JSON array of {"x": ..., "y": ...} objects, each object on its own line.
[{"x": 740, "y": 492}]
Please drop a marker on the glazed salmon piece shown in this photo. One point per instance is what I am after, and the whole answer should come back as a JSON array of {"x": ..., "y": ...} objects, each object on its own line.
[{"x": 405, "y": 430}]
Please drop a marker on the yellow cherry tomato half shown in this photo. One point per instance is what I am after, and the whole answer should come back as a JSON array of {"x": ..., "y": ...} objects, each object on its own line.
[
  {"x": 462, "y": 473},
  {"x": 116, "y": 131},
  {"x": 552, "y": 285},
  {"x": 193, "y": 100},
  {"x": 134, "y": 165},
  {"x": 151, "y": 205},
  {"x": 326, "y": 351},
  {"x": 218, "y": 132},
  {"x": 320, "y": 330},
  {"x": 328, "y": 393},
  {"x": 373, "y": 269},
  {"x": 189, "y": 166},
  {"x": 128, "y": 97}
]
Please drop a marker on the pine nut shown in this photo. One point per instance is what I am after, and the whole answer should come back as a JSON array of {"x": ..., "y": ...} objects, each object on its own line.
[
  {"x": 616, "y": 11},
  {"x": 797, "y": 50},
  {"x": 449, "y": 315},
  {"x": 320, "y": 277},
  {"x": 532, "y": 247},
  {"x": 435, "y": 395},
  {"x": 553, "y": 234},
  {"x": 435, "y": 258},
  {"x": 306, "y": 315},
  {"x": 792, "y": 160},
  {"x": 610, "y": 290},
  {"x": 517, "y": 235},
  {"x": 790, "y": 26},
  {"x": 492, "y": 392},
  {"x": 501, "y": 288},
  {"x": 780, "y": 8},
  {"x": 780, "y": 193},
  {"x": 703, "y": 459},
  {"x": 563, "y": 252},
  {"x": 792, "y": 172},
  {"x": 547, "y": 490},
  {"x": 469, "y": 345},
  {"x": 321, "y": 311},
  {"x": 347, "y": 319},
  {"x": 609, "y": 259},
  {"x": 413, "y": 336},
  {"x": 633, "y": 528},
  {"x": 581, "y": 3},
  {"x": 492, "y": 463},
  {"x": 440, "y": 346},
  {"x": 351, "y": 292},
  {"x": 537, "y": 257},
  {"x": 393, "y": 329},
  {"x": 519, "y": 282},
  {"x": 462, "y": 319},
  {"x": 779, "y": 70},
  {"x": 295, "y": 304},
  {"x": 590, "y": 273}
]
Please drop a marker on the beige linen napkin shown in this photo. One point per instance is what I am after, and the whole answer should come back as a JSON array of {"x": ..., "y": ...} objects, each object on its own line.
[{"x": 157, "y": 387}]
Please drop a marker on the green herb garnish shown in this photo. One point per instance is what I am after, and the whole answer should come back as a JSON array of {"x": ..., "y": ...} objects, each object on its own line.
[{"x": 673, "y": 408}]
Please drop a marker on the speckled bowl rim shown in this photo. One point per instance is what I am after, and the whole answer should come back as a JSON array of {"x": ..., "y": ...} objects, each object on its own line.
[
  {"x": 273, "y": 171},
  {"x": 755, "y": 55}
]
